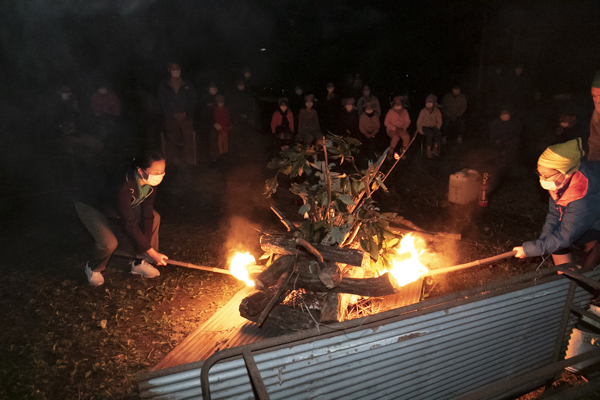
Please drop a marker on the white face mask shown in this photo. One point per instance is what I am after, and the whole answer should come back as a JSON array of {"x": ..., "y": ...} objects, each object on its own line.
[
  {"x": 176, "y": 73},
  {"x": 212, "y": 91},
  {"x": 349, "y": 107},
  {"x": 154, "y": 180},
  {"x": 548, "y": 185}
]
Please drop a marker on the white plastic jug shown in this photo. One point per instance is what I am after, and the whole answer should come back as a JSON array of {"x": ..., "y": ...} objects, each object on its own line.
[{"x": 464, "y": 186}]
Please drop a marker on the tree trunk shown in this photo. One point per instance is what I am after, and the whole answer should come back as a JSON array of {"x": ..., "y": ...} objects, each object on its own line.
[{"x": 288, "y": 246}]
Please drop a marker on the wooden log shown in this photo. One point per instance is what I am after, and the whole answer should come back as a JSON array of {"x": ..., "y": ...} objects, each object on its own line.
[
  {"x": 281, "y": 287},
  {"x": 253, "y": 305},
  {"x": 383, "y": 285},
  {"x": 295, "y": 319},
  {"x": 288, "y": 246},
  {"x": 270, "y": 276},
  {"x": 334, "y": 308},
  {"x": 330, "y": 275}
]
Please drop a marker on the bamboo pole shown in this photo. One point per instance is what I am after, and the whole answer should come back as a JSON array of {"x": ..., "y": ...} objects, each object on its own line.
[
  {"x": 124, "y": 254},
  {"x": 471, "y": 264}
]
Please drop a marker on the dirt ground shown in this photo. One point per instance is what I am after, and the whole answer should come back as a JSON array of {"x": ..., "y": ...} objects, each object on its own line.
[{"x": 63, "y": 339}]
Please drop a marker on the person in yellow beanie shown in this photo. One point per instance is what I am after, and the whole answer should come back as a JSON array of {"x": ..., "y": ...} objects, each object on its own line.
[{"x": 574, "y": 212}]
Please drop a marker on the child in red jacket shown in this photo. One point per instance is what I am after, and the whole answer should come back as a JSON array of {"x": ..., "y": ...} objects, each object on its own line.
[
  {"x": 222, "y": 125},
  {"x": 282, "y": 124}
]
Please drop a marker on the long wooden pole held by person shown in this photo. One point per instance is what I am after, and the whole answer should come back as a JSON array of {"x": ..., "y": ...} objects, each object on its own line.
[
  {"x": 471, "y": 264},
  {"x": 124, "y": 254}
]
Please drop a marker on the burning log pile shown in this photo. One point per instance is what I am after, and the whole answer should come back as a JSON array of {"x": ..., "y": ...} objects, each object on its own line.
[
  {"x": 309, "y": 284},
  {"x": 359, "y": 265}
]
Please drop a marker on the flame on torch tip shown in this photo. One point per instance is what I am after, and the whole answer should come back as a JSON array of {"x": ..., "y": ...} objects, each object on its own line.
[
  {"x": 238, "y": 267},
  {"x": 409, "y": 269}
]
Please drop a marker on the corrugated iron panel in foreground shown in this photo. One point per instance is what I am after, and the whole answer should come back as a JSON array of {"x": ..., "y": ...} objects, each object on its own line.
[{"x": 438, "y": 349}]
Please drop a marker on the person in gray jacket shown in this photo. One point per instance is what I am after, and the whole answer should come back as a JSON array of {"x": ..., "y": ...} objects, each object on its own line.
[
  {"x": 308, "y": 122},
  {"x": 368, "y": 98}
]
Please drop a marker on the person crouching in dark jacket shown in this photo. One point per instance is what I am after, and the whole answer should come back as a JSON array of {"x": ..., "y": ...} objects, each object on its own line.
[{"x": 130, "y": 203}]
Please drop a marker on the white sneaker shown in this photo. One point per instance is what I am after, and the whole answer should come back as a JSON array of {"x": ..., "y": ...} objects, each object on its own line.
[
  {"x": 94, "y": 278},
  {"x": 144, "y": 269}
]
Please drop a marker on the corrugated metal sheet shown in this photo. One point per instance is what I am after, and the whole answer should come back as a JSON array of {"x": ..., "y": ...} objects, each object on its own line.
[
  {"x": 225, "y": 329},
  {"x": 439, "y": 353}
]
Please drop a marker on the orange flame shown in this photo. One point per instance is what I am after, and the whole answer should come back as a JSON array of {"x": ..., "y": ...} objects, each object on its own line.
[
  {"x": 406, "y": 267},
  {"x": 238, "y": 267}
]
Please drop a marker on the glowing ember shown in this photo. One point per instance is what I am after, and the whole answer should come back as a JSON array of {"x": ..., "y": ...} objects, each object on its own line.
[
  {"x": 407, "y": 268},
  {"x": 238, "y": 267}
]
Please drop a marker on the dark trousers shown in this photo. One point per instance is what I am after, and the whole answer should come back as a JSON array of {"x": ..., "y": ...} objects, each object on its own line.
[
  {"x": 179, "y": 140},
  {"x": 453, "y": 128},
  {"x": 432, "y": 135},
  {"x": 102, "y": 230}
]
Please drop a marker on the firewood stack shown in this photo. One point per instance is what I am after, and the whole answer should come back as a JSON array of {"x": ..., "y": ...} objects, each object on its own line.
[{"x": 308, "y": 284}]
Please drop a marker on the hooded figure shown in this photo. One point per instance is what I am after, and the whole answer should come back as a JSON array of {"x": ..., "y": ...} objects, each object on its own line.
[
  {"x": 594, "y": 140},
  {"x": 574, "y": 216}
]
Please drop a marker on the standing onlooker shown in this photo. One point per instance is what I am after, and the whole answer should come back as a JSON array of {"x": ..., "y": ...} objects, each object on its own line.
[
  {"x": 105, "y": 102},
  {"x": 594, "y": 140},
  {"x": 369, "y": 125},
  {"x": 282, "y": 124},
  {"x": 505, "y": 138},
  {"x": 242, "y": 106},
  {"x": 396, "y": 123},
  {"x": 348, "y": 120},
  {"x": 567, "y": 128},
  {"x": 107, "y": 110},
  {"x": 330, "y": 109},
  {"x": 207, "y": 108},
  {"x": 368, "y": 98},
  {"x": 178, "y": 99},
  {"x": 308, "y": 124},
  {"x": 429, "y": 123},
  {"x": 221, "y": 124},
  {"x": 454, "y": 106}
]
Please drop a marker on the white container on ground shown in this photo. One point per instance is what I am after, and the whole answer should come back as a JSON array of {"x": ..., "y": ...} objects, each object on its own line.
[{"x": 464, "y": 186}]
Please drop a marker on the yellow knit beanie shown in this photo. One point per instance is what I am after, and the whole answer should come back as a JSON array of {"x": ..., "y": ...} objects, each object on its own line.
[{"x": 564, "y": 157}]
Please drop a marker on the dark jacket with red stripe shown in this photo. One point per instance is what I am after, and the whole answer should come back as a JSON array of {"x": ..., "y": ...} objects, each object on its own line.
[
  {"x": 138, "y": 233},
  {"x": 571, "y": 214}
]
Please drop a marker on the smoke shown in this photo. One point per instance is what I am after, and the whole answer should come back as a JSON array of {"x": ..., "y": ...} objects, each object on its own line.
[{"x": 242, "y": 237}]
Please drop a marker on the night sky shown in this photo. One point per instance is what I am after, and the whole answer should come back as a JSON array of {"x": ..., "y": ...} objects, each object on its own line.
[{"x": 435, "y": 43}]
